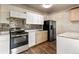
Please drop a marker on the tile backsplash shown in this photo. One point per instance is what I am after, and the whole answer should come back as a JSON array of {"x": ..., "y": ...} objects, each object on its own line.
[
  {"x": 32, "y": 26},
  {"x": 17, "y": 22},
  {"x": 4, "y": 27}
]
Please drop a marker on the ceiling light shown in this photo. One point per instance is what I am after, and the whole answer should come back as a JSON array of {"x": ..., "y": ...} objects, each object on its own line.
[{"x": 47, "y": 5}]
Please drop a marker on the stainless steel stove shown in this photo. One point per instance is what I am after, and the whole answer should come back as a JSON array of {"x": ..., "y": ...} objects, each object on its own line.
[{"x": 18, "y": 40}]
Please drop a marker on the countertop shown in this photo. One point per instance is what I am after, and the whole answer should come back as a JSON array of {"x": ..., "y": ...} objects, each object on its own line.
[
  {"x": 72, "y": 35},
  {"x": 7, "y": 32},
  {"x": 4, "y": 33},
  {"x": 33, "y": 30}
]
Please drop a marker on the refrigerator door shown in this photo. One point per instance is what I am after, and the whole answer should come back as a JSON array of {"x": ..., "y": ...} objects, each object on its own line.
[
  {"x": 50, "y": 26},
  {"x": 50, "y": 35}
]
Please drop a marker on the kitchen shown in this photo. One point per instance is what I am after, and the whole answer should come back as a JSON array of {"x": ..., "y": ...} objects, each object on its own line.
[
  {"x": 32, "y": 29},
  {"x": 24, "y": 28}
]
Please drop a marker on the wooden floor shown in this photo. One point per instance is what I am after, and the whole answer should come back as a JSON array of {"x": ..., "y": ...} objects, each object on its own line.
[{"x": 43, "y": 48}]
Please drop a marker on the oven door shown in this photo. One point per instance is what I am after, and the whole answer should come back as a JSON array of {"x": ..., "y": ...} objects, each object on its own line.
[{"x": 18, "y": 41}]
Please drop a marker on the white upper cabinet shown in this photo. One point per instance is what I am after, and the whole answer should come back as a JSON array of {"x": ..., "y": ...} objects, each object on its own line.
[
  {"x": 33, "y": 18},
  {"x": 29, "y": 18},
  {"x": 41, "y": 19},
  {"x": 15, "y": 14}
]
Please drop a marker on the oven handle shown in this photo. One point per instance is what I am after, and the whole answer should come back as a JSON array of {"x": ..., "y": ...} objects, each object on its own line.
[{"x": 19, "y": 36}]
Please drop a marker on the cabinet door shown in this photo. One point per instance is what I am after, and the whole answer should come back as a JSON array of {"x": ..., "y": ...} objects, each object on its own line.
[
  {"x": 44, "y": 36},
  {"x": 39, "y": 37},
  {"x": 74, "y": 14},
  {"x": 29, "y": 19},
  {"x": 15, "y": 14},
  {"x": 31, "y": 39},
  {"x": 41, "y": 19},
  {"x": 4, "y": 44},
  {"x": 67, "y": 45},
  {"x": 33, "y": 18}
]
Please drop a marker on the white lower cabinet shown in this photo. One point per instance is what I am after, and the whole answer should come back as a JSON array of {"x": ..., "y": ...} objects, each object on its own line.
[
  {"x": 32, "y": 38},
  {"x": 67, "y": 45},
  {"x": 37, "y": 37},
  {"x": 4, "y": 44}
]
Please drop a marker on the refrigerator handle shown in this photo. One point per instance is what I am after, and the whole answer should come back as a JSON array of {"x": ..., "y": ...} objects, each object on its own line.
[{"x": 51, "y": 27}]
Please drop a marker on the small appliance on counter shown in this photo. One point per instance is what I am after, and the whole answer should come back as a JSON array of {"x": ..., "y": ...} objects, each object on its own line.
[
  {"x": 50, "y": 26},
  {"x": 18, "y": 40}
]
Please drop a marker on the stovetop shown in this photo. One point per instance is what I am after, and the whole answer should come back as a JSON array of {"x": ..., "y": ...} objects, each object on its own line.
[{"x": 18, "y": 33}]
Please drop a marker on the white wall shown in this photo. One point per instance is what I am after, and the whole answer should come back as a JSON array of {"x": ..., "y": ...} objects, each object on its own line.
[
  {"x": 63, "y": 24},
  {"x": 47, "y": 17}
]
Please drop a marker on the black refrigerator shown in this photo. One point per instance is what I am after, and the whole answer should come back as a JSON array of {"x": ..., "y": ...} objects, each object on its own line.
[{"x": 50, "y": 26}]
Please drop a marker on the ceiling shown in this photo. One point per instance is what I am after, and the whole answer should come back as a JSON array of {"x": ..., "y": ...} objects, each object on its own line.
[{"x": 54, "y": 8}]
